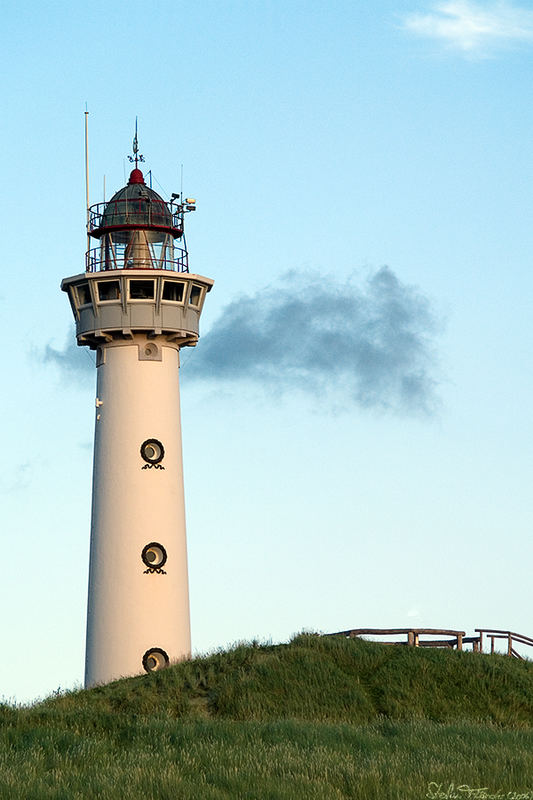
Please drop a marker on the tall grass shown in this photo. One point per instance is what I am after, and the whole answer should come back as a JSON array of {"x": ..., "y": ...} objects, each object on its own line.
[{"x": 318, "y": 718}]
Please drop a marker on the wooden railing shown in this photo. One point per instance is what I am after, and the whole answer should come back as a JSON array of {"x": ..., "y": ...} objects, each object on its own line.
[
  {"x": 457, "y": 638},
  {"x": 413, "y": 636},
  {"x": 512, "y": 638}
]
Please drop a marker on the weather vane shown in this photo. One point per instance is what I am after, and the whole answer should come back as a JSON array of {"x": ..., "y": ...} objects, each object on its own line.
[{"x": 136, "y": 155}]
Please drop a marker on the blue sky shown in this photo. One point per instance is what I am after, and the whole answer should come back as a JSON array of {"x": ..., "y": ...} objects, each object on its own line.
[{"x": 323, "y": 142}]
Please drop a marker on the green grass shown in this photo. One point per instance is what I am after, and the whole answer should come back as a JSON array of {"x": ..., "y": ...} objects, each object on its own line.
[{"x": 318, "y": 718}]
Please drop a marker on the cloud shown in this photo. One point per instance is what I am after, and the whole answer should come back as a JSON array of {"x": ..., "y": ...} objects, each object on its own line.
[
  {"x": 473, "y": 28},
  {"x": 366, "y": 345},
  {"x": 74, "y": 361},
  {"x": 355, "y": 344},
  {"x": 20, "y": 477}
]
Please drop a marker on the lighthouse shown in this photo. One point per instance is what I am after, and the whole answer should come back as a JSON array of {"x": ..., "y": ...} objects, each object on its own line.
[{"x": 136, "y": 305}]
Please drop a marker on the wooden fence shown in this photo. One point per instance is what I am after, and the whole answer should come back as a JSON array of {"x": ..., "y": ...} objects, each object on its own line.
[
  {"x": 455, "y": 639},
  {"x": 512, "y": 638}
]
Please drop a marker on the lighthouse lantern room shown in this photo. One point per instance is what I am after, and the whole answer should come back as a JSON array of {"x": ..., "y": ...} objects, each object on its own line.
[{"x": 137, "y": 305}]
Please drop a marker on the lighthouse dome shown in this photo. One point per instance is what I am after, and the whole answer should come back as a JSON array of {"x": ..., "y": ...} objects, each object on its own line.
[{"x": 136, "y": 206}]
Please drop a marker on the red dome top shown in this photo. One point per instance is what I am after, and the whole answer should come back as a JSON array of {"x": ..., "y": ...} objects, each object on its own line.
[{"x": 136, "y": 176}]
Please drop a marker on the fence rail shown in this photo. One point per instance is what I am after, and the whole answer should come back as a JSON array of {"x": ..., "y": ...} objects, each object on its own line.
[
  {"x": 511, "y": 636},
  {"x": 456, "y": 638}
]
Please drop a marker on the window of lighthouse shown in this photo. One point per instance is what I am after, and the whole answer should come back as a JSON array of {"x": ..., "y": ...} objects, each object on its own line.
[
  {"x": 141, "y": 290},
  {"x": 155, "y": 659},
  {"x": 83, "y": 293},
  {"x": 152, "y": 451},
  {"x": 108, "y": 290},
  {"x": 154, "y": 556},
  {"x": 173, "y": 291},
  {"x": 196, "y": 295}
]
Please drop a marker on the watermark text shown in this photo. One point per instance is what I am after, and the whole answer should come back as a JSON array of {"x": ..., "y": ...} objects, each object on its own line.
[{"x": 451, "y": 791}]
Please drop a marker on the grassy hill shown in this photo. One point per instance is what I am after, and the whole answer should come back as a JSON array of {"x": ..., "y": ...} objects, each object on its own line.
[{"x": 318, "y": 718}]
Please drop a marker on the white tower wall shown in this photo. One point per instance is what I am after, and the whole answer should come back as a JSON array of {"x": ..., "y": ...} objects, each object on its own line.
[
  {"x": 135, "y": 503},
  {"x": 137, "y": 305}
]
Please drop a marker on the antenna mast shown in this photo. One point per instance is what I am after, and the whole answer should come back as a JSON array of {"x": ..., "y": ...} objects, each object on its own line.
[{"x": 87, "y": 174}]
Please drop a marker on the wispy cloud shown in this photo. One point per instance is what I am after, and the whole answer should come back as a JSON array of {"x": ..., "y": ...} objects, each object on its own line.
[
  {"x": 475, "y": 29},
  {"x": 18, "y": 478},
  {"x": 366, "y": 344},
  {"x": 74, "y": 361}
]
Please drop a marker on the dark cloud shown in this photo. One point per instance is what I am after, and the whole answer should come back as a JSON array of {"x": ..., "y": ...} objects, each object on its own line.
[
  {"x": 351, "y": 344},
  {"x": 368, "y": 345}
]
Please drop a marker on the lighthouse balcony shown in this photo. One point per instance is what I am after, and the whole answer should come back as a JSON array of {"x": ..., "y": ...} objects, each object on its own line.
[
  {"x": 119, "y": 304},
  {"x": 148, "y": 210},
  {"x": 116, "y": 255}
]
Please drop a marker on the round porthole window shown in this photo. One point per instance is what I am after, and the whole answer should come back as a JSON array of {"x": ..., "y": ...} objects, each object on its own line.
[
  {"x": 154, "y": 555},
  {"x": 155, "y": 659},
  {"x": 152, "y": 451}
]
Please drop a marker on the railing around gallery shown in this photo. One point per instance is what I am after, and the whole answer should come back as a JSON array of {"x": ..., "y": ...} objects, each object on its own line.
[
  {"x": 141, "y": 211},
  {"x": 97, "y": 260}
]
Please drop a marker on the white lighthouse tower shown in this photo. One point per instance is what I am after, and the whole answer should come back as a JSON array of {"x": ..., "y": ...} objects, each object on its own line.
[{"x": 137, "y": 305}]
